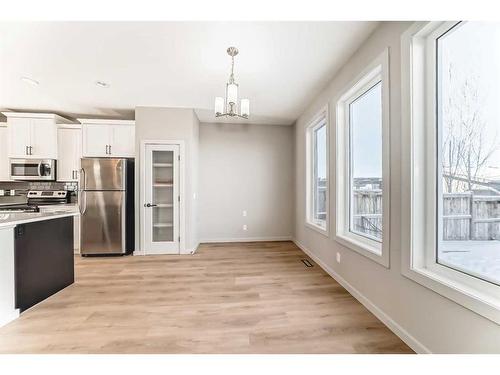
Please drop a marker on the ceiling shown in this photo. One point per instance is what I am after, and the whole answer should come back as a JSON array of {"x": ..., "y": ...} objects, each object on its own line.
[{"x": 280, "y": 68}]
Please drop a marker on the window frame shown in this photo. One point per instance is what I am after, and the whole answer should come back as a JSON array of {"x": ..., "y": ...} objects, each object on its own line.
[
  {"x": 419, "y": 205},
  {"x": 320, "y": 119},
  {"x": 374, "y": 249}
]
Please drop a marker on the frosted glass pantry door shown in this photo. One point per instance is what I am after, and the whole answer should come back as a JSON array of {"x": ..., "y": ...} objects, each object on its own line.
[{"x": 161, "y": 206}]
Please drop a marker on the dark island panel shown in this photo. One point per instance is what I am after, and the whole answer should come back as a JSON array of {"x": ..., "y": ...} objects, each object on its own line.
[{"x": 44, "y": 261}]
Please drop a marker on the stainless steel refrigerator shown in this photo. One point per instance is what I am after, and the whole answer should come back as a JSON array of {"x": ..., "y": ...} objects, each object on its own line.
[{"x": 106, "y": 199}]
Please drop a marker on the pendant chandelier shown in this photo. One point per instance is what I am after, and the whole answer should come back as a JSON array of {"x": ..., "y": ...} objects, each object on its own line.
[{"x": 228, "y": 107}]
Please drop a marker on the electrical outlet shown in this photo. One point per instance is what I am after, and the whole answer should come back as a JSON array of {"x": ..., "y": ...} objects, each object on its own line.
[
  {"x": 338, "y": 257},
  {"x": 245, "y": 227},
  {"x": 244, "y": 213}
]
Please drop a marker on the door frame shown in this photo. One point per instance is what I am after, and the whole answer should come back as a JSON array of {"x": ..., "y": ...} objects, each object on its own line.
[{"x": 142, "y": 189}]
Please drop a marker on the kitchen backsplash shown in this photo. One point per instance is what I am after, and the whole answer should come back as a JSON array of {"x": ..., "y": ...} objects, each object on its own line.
[{"x": 21, "y": 188}]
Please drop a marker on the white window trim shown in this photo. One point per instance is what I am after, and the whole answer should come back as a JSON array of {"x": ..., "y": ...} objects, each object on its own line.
[
  {"x": 318, "y": 119},
  {"x": 378, "y": 251},
  {"x": 418, "y": 196}
]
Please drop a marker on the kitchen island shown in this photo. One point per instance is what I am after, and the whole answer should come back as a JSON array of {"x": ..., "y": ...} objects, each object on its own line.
[{"x": 36, "y": 259}]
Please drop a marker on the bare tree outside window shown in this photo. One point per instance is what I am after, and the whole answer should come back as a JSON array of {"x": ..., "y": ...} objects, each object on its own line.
[
  {"x": 468, "y": 113},
  {"x": 467, "y": 144}
]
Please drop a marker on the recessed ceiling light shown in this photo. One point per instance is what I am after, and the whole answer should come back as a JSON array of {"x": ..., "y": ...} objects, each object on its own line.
[
  {"x": 31, "y": 81},
  {"x": 102, "y": 84}
]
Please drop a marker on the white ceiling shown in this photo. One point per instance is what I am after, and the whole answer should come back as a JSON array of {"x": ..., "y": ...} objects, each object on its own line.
[{"x": 280, "y": 68}]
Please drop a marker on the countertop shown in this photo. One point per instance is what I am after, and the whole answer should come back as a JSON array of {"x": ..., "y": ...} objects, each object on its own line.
[{"x": 8, "y": 220}]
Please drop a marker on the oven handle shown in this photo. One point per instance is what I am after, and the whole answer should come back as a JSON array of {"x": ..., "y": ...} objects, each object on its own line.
[{"x": 40, "y": 171}]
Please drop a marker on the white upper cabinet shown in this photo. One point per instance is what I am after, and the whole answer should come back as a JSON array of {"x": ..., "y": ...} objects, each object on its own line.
[
  {"x": 43, "y": 138},
  {"x": 123, "y": 141},
  {"x": 69, "y": 144},
  {"x": 4, "y": 153},
  {"x": 33, "y": 135},
  {"x": 96, "y": 140},
  {"x": 19, "y": 137},
  {"x": 108, "y": 138}
]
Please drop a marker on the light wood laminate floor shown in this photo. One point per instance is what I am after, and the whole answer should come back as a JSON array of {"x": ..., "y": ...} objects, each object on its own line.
[{"x": 227, "y": 298}]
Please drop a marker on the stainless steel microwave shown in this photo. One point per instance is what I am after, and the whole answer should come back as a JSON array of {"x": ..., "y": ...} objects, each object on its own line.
[{"x": 33, "y": 169}]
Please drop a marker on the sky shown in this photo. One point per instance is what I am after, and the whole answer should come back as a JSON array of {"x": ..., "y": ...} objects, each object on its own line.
[
  {"x": 473, "y": 48},
  {"x": 366, "y": 133},
  {"x": 366, "y": 136},
  {"x": 321, "y": 151}
]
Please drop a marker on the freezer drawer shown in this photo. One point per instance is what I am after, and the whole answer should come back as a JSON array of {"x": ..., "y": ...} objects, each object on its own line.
[
  {"x": 102, "y": 223},
  {"x": 103, "y": 174}
]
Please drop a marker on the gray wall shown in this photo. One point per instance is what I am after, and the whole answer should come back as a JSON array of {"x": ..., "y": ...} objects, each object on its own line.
[
  {"x": 160, "y": 123},
  {"x": 245, "y": 167},
  {"x": 434, "y": 322}
]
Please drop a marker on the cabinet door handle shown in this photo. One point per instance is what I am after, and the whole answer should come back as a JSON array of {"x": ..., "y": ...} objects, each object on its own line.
[
  {"x": 110, "y": 149},
  {"x": 26, "y": 151},
  {"x": 106, "y": 149},
  {"x": 31, "y": 150}
]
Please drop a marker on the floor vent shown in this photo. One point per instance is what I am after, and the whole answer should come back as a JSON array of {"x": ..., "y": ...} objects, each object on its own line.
[{"x": 306, "y": 262}]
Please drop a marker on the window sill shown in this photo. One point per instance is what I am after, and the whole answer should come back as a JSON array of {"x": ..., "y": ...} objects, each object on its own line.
[
  {"x": 371, "y": 251},
  {"x": 318, "y": 228},
  {"x": 486, "y": 305}
]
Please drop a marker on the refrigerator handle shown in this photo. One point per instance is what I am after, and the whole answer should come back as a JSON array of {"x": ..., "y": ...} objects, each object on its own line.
[
  {"x": 83, "y": 185},
  {"x": 82, "y": 196}
]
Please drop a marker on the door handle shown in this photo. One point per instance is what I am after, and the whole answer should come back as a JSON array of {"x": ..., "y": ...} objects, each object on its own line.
[
  {"x": 40, "y": 171},
  {"x": 149, "y": 205}
]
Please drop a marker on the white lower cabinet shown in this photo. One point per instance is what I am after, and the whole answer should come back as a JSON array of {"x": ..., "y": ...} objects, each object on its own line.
[
  {"x": 4, "y": 153},
  {"x": 69, "y": 143}
]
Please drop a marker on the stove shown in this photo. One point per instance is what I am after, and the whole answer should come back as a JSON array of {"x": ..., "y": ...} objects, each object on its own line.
[
  {"x": 12, "y": 208},
  {"x": 37, "y": 198},
  {"x": 47, "y": 197}
]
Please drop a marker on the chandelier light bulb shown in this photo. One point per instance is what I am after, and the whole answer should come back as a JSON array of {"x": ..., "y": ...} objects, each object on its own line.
[
  {"x": 245, "y": 108},
  {"x": 219, "y": 106}
]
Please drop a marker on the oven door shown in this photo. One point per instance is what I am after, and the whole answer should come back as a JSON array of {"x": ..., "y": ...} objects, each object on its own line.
[{"x": 33, "y": 169}]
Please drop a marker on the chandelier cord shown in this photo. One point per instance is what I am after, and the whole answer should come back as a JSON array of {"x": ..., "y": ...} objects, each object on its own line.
[{"x": 231, "y": 77}]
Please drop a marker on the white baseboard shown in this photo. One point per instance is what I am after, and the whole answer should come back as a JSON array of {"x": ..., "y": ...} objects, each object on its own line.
[
  {"x": 247, "y": 239},
  {"x": 192, "y": 250},
  {"x": 404, "y": 335}
]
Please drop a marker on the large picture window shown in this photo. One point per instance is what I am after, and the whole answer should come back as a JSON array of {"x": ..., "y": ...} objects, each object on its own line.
[
  {"x": 468, "y": 118},
  {"x": 451, "y": 178},
  {"x": 317, "y": 185},
  {"x": 362, "y": 140},
  {"x": 365, "y": 124}
]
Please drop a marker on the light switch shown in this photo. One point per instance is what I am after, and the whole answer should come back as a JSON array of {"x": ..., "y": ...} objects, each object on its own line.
[{"x": 245, "y": 227}]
